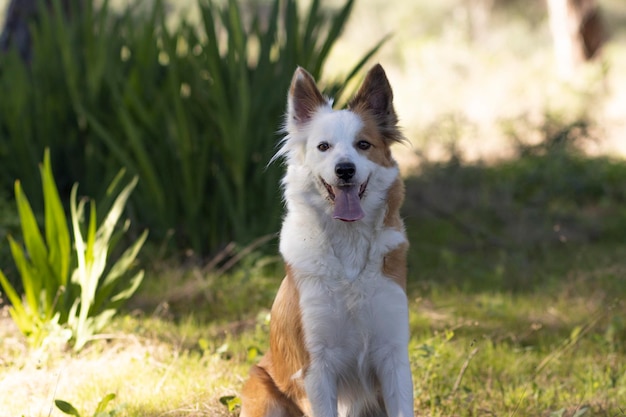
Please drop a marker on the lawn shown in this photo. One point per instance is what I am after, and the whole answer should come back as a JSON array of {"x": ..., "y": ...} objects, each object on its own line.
[
  {"x": 515, "y": 310},
  {"x": 554, "y": 348}
]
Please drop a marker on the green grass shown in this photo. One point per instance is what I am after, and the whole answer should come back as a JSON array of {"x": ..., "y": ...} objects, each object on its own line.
[
  {"x": 503, "y": 323},
  {"x": 552, "y": 347}
]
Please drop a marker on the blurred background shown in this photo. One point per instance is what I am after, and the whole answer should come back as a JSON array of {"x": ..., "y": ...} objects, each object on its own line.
[
  {"x": 475, "y": 79},
  {"x": 464, "y": 71}
]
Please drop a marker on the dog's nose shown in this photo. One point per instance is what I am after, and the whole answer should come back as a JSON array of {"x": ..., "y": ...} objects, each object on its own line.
[{"x": 345, "y": 170}]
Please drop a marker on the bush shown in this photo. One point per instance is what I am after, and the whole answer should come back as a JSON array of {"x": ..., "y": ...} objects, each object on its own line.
[
  {"x": 193, "y": 111},
  {"x": 69, "y": 295}
]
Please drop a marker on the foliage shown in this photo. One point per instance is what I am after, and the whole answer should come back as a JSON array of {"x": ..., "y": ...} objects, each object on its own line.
[
  {"x": 9, "y": 224},
  {"x": 44, "y": 266},
  {"x": 232, "y": 402},
  {"x": 100, "y": 293},
  {"x": 100, "y": 411},
  {"x": 64, "y": 290},
  {"x": 550, "y": 194},
  {"x": 192, "y": 110}
]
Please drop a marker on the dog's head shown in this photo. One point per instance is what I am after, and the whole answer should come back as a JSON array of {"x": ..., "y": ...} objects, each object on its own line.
[{"x": 340, "y": 159}]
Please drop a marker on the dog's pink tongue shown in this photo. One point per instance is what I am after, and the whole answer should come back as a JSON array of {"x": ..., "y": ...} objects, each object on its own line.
[{"x": 347, "y": 204}]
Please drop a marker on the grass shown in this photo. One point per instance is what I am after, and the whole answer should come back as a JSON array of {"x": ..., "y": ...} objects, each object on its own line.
[
  {"x": 512, "y": 354},
  {"x": 512, "y": 324},
  {"x": 526, "y": 354}
]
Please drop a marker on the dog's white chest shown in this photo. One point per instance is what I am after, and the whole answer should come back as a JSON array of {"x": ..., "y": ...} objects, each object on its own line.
[
  {"x": 350, "y": 328},
  {"x": 353, "y": 314},
  {"x": 335, "y": 251},
  {"x": 347, "y": 304}
]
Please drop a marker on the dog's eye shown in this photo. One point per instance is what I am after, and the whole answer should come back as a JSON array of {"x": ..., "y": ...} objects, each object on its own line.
[
  {"x": 363, "y": 145},
  {"x": 323, "y": 146}
]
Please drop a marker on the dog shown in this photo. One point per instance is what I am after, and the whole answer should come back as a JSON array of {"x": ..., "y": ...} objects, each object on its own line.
[{"x": 339, "y": 327}]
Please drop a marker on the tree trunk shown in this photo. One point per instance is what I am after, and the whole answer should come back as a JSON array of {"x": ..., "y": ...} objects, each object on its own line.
[
  {"x": 577, "y": 31},
  {"x": 16, "y": 33}
]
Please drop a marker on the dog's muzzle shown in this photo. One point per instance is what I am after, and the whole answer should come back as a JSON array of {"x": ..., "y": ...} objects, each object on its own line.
[{"x": 346, "y": 195}]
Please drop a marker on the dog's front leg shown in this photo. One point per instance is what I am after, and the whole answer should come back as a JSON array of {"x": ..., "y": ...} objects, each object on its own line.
[
  {"x": 321, "y": 390},
  {"x": 390, "y": 351},
  {"x": 394, "y": 372}
]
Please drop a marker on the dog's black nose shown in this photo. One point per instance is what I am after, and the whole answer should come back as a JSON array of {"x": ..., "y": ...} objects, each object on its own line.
[{"x": 345, "y": 170}]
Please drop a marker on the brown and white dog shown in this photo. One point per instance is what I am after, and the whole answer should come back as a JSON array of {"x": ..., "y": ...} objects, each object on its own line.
[{"x": 339, "y": 324}]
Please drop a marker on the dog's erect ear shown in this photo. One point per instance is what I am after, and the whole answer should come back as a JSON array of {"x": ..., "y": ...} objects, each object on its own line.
[
  {"x": 376, "y": 99},
  {"x": 304, "y": 97}
]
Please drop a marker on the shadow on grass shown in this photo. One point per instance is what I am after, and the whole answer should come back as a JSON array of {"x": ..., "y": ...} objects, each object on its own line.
[
  {"x": 525, "y": 252},
  {"x": 516, "y": 225},
  {"x": 521, "y": 252}
]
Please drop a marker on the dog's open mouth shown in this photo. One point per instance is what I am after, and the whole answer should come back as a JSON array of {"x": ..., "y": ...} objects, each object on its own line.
[{"x": 347, "y": 200}]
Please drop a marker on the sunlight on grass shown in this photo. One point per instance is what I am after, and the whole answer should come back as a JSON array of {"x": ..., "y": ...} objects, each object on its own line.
[
  {"x": 472, "y": 353},
  {"x": 152, "y": 366}
]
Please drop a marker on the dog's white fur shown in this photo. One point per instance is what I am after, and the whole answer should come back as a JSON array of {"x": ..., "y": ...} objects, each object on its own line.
[{"x": 339, "y": 330}]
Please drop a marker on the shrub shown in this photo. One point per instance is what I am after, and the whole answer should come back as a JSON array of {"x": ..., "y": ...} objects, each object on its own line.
[
  {"x": 193, "y": 111},
  {"x": 71, "y": 295}
]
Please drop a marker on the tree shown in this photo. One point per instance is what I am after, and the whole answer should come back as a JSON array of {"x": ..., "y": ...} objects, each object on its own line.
[{"x": 578, "y": 32}]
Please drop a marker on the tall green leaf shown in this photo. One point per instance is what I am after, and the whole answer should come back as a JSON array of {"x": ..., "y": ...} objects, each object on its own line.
[
  {"x": 57, "y": 233},
  {"x": 197, "y": 124},
  {"x": 50, "y": 302},
  {"x": 97, "y": 301},
  {"x": 18, "y": 312}
]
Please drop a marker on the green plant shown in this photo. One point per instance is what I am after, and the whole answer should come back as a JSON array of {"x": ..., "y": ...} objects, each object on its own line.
[
  {"x": 9, "y": 223},
  {"x": 231, "y": 402},
  {"x": 203, "y": 146},
  {"x": 192, "y": 109},
  {"x": 63, "y": 290},
  {"x": 99, "y": 300},
  {"x": 100, "y": 411}
]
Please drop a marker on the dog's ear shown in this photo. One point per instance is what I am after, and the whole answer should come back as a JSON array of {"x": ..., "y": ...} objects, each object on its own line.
[
  {"x": 375, "y": 98},
  {"x": 304, "y": 97}
]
